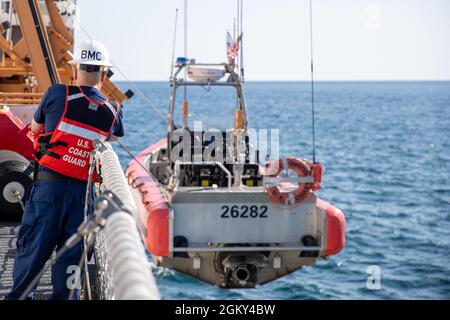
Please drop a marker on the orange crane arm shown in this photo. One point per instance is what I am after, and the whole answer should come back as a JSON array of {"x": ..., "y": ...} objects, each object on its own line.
[
  {"x": 42, "y": 52},
  {"x": 57, "y": 21},
  {"x": 35, "y": 34}
]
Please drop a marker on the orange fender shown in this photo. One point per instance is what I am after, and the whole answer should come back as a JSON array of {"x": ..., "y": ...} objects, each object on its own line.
[
  {"x": 335, "y": 228},
  {"x": 153, "y": 210}
]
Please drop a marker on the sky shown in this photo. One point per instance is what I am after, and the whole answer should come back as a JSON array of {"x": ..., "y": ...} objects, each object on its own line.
[{"x": 353, "y": 39}]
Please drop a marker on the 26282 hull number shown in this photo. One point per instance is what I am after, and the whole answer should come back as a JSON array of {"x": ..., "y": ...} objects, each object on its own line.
[{"x": 249, "y": 212}]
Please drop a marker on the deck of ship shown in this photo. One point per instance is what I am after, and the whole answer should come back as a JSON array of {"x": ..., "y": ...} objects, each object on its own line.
[{"x": 8, "y": 234}]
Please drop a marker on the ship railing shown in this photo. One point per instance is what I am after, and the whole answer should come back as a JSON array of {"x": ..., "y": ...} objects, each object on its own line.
[
  {"x": 181, "y": 82},
  {"x": 198, "y": 248},
  {"x": 123, "y": 268}
]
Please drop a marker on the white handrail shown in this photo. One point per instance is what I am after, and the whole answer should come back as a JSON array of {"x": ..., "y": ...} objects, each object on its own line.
[
  {"x": 112, "y": 175},
  {"x": 127, "y": 262},
  {"x": 132, "y": 274}
]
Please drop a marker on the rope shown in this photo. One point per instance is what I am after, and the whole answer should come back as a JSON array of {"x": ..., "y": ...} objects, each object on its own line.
[
  {"x": 142, "y": 94},
  {"x": 87, "y": 205},
  {"x": 185, "y": 44},
  {"x": 68, "y": 245},
  {"x": 242, "y": 41},
  {"x": 88, "y": 241},
  {"x": 174, "y": 44},
  {"x": 132, "y": 156},
  {"x": 134, "y": 86},
  {"x": 312, "y": 82}
]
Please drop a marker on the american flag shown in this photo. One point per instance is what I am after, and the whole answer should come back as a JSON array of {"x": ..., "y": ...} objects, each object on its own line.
[{"x": 233, "y": 47}]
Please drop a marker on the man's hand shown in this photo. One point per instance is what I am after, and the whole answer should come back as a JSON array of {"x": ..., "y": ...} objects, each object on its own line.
[{"x": 36, "y": 127}]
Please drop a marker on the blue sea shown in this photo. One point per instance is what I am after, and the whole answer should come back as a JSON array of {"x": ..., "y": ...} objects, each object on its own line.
[{"x": 386, "y": 151}]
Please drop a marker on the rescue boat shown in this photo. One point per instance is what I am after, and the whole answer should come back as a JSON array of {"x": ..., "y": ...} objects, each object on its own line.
[{"x": 210, "y": 210}]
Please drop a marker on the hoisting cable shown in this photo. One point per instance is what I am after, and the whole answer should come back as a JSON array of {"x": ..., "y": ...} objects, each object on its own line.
[
  {"x": 185, "y": 44},
  {"x": 142, "y": 94},
  {"x": 134, "y": 86},
  {"x": 238, "y": 32},
  {"x": 33, "y": 284},
  {"x": 174, "y": 44},
  {"x": 185, "y": 102},
  {"x": 70, "y": 243},
  {"x": 88, "y": 241},
  {"x": 88, "y": 228},
  {"x": 236, "y": 38},
  {"x": 312, "y": 82},
  {"x": 132, "y": 156},
  {"x": 135, "y": 159},
  {"x": 87, "y": 206},
  {"x": 242, "y": 40}
]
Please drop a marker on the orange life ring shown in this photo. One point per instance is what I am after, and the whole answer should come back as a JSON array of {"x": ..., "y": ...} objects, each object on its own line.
[{"x": 304, "y": 171}]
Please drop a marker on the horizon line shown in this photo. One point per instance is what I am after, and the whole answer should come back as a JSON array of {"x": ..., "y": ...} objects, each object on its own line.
[{"x": 308, "y": 81}]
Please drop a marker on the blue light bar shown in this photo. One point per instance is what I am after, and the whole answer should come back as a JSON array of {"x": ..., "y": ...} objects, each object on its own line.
[{"x": 182, "y": 60}]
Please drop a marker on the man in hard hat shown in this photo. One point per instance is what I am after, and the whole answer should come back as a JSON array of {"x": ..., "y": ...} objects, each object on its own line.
[{"x": 66, "y": 123}]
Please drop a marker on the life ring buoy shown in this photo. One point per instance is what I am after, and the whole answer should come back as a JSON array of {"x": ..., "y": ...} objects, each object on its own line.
[{"x": 308, "y": 179}]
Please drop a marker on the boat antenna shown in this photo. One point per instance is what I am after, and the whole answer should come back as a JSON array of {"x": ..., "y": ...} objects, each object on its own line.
[
  {"x": 235, "y": 39},
  {"x": 174, "y": 43},
  {"x": 312, "y": 82},
  {"x": 185, "y": 45},
  {"x": 237, "y": 20},
  {"x": 185, "y": 103},
  {"x": 241, "y": 9},
  {"x": 234, "y": 29}
]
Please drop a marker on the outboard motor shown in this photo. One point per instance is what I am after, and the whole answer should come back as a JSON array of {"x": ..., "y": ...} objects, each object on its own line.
[{"x": 242, "y": 270}]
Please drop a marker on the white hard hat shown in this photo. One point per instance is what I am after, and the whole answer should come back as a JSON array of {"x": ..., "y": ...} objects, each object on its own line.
[{"x": 92, "y": 53}]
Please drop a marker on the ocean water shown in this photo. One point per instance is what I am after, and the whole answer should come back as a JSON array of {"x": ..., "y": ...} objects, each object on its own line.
[{"x": 386, "y": 151}]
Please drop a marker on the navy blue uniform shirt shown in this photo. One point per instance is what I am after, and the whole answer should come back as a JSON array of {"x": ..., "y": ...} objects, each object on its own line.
[{"x": 52, "y": 106}]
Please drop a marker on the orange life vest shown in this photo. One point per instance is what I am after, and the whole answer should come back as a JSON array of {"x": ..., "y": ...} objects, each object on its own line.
[{"x": 67, "y": 149}]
